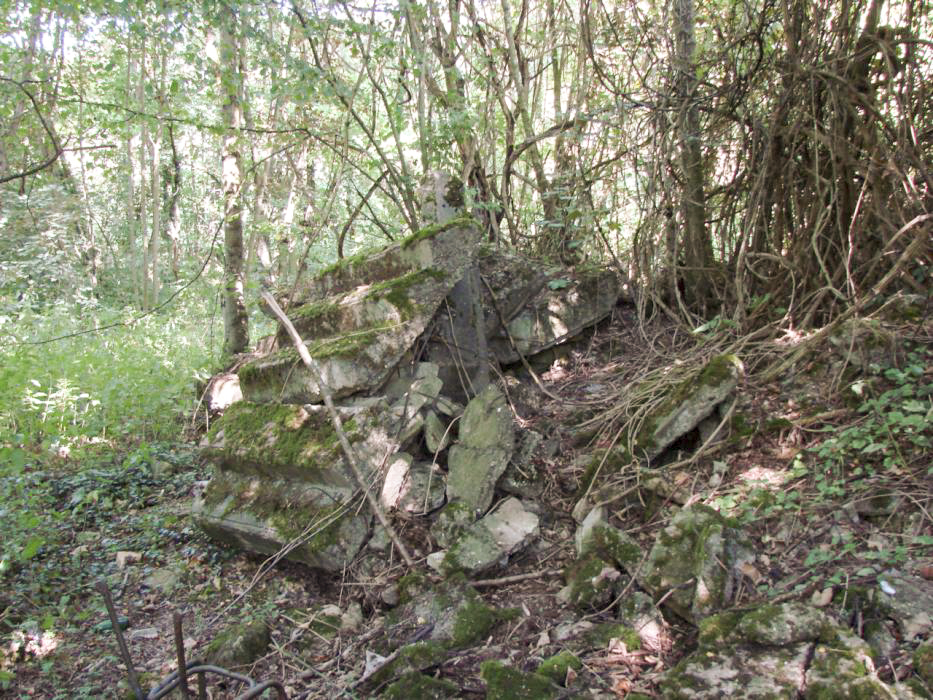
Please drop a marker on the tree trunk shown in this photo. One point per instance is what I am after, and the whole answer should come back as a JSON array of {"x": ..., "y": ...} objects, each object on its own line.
[
  {"x": 132, "y": 217},
  {"x": 697, "y": 248},
  {"x": 173, "y": 225},
  {"x": 236, "y": 320}
]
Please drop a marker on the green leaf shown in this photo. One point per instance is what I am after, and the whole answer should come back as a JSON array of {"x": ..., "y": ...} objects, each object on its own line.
[
  {"x": 31, "y": 548},
  {"x": 558, "y": 283}
]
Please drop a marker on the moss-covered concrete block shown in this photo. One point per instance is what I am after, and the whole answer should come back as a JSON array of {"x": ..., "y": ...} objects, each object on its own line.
[
  {"x": 686, "y": 405},
  {"x": 418, "y": 685},
  {"x": 697, "y": 560},
  {"x": 455, "y": 612},
  {"x": 487, "y": 439},
  {"x": 556, "y": 667},
  {"x": 239, "y": 644},
  {"x": 507, "y": 683}
]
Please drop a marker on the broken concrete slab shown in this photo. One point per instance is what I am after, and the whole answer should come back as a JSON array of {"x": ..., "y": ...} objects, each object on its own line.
[
  {"x": 776, "y": 651},
  {"x": 487, "y": 438},
  {"x": 541, "y": 309},
  {"x": 264, "y": 516},
  {"x": 490, "y": 540},
  {"x": 280, "y": 472},
  {"x": 362, "y": 316},
  {"x": 686, "y": 405},
  {"x": 448, "y": 246},
  {"x": 695, "y": 563}
]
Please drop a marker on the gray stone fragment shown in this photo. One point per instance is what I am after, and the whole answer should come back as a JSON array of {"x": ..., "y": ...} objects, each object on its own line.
[
  {"x": 697, "y": 558},
  {"x": 597, "y": 516},
  {"x": 476, "y": 462},
  {"x": 164, "y": 579},
  {"x": 452, "y": 611},
  {"x": 436, "y": 434},
  {"x": 911, "y": 605},
  {"x": 686, "y": 405},
  {"x": 542, "y": 308},
  {"x": 491, "y": 539},
  {"x": 777, "y": 651},
  {"x": 412, "y": 487},
  {"x": 239, "y": 645}
]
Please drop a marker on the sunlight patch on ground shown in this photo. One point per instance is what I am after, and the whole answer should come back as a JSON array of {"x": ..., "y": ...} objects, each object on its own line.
[
  {"x": 763, "y": 477},
  {"x": 32, "y": 642}
]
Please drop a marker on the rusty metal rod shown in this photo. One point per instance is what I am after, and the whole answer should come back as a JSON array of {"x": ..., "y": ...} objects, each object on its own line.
[
  {"x": 121, "y": 642},
  {"x": 180, "y": 653}
]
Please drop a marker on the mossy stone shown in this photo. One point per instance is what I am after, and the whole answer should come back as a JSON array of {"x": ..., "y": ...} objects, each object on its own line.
[
  {"x": 600, "y": 636},
  {"x": 923, "y": 662},
  {"x": 556, "y": 666},
  {"x": 590, "y": 582},
  {"x": 414, "y": 657},
  {"x": 507, "y": 683},
  {"x": 239, "y": 645},
  {"x": 474, "y": 621},
  {"x": 417, "y": 685}
]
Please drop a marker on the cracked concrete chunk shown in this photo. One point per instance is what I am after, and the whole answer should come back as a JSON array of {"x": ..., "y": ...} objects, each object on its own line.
[
  {"x": 697, "y": 558},
  {"x": 777, "y": 651},
  {"x": 487, "y": 438},
  {"x": 491, "y": 539},
  {"x": 412, "y": 487},
  {"x": 687, "y": 405}
]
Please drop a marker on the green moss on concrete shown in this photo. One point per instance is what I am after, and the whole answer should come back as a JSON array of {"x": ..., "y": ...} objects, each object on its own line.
[
  {"x": 717, "y": 629},
  {"x": 507, "y": 683},
  {"x": 611, "y": 545},
  {"x": 600, "y": 636},
  {"x": 411, "y": 658},
  {"x": 327, "y": 309},
  {"x": 556, "y": 666},
  {"x": 279, "y": 440},
  {"x": 474, "y": 621},
  {"x": 417, "y": 685},
  {"x": 923, "y": 663},
  {"x": 434, "y": 229},
  {"x": 273, "y": 369},
  {"x": 291, "y": 521},
  {"x": 411, "y": 585},
  {"x": 349, "y": 262},
  {"x": 398, "y": 291},
  {"x": 588, "y": 588},
  {"x": 717, "y": 370},
  {"x": 239, "y": 645}
]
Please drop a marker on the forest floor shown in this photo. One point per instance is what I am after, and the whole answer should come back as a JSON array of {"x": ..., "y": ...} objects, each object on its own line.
[{"x": 801, "y": 451}]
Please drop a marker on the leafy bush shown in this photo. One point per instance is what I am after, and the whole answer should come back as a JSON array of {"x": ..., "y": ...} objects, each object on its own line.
[{"x": 126, "y": 384}]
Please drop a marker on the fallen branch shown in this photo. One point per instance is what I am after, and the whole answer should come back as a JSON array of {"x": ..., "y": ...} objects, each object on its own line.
[
  {"x": 348, "y": 455},
  {"x": 506, "y": 580}
]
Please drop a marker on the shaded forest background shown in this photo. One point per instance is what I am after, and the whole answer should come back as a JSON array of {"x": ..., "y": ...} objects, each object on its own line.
[{"x": 756, "y": 162}]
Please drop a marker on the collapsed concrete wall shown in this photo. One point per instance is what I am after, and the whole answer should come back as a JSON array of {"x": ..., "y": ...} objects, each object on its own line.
[{"x": 369, "y": 323}]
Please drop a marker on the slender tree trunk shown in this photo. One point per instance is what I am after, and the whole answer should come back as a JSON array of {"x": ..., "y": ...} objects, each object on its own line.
[
  {"x": 155, "y": 189},
  {"x": 131, "y": 213},
  {"x": 173, "y": 180},
  {"x": 236, "y": 320},
  {"x": 141, "y": 263},
  {"x": 697, "y": 246}
]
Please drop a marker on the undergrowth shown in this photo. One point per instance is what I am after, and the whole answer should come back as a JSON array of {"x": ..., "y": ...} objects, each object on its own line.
[
  {"x": 83, "y": 413},
  {"x": 124, "y": 384}
]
